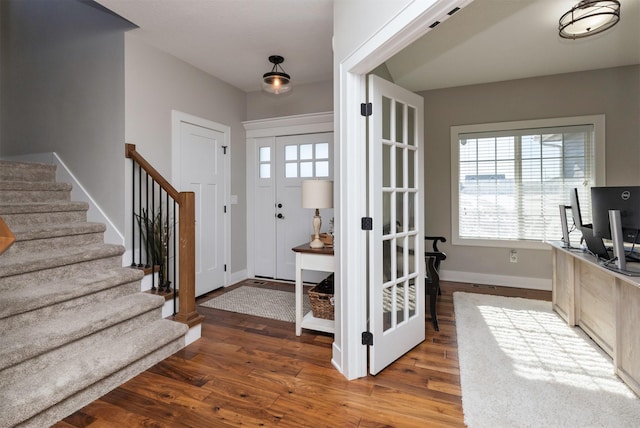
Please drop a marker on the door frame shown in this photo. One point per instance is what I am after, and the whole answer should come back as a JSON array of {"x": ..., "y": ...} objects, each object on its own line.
[
  {"x": 177, "y": 117},
  {"x": 350, "y": 90},
  {"x": 313, "y": 123}
]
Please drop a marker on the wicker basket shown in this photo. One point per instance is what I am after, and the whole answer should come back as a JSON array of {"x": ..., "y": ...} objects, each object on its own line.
[{"x": 321, "y": 298}]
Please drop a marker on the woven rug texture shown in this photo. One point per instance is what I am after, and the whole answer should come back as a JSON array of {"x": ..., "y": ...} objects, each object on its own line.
[
  {"x": 521, "y": 365},
  {"x": 260, "y": 302}
]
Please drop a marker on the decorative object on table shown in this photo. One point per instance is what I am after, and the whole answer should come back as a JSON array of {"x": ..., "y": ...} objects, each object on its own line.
[
  {"x": 322, "y": 299},
  {"x": 276, "y": 81},
  {"x": 317, "y": 194},
  {"x": 589, "y": 17},
  {"x": 326, "y": 239}
]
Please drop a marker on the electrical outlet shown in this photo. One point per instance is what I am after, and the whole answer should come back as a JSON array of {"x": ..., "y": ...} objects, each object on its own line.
[{"x": 513, "y": 256}]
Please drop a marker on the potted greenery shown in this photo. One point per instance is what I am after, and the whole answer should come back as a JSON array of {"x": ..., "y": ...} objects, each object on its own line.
[{"x": 155, "y": 234}]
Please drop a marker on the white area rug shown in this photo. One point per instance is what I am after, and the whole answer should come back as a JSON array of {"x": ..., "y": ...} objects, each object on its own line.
[
  {"x": 261, "y": 302},
  {"x": 522, "y": 366}
]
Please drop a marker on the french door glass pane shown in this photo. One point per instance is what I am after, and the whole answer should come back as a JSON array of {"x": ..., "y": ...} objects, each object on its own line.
[
  {"x": 306, "y": 151},
  {"x": 322, "y": 169}
]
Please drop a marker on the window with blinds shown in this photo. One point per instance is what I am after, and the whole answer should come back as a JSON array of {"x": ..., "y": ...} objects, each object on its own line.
[{"x": 510, "y": 182}]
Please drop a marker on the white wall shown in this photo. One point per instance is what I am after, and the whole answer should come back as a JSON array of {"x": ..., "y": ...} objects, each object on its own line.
[{"x": 157, "y": 83}]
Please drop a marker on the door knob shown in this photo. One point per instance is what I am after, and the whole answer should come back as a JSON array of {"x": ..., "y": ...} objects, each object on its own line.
[
  {"x": 279, "y": 205},
  {"x": 279, "y": 215}
]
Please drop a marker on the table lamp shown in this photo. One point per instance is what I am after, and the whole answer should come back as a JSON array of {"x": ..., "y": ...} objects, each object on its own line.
[{"x": 317, "y": 194}]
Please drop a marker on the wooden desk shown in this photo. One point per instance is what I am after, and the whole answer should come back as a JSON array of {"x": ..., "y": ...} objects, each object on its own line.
[
  {"x": 311, "y": 259},
  {"x": 603, "y": 303}
]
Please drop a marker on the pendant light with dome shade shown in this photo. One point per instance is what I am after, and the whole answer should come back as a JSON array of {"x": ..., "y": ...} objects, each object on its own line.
[
  {"x": 276, "y": 81},
  {"x": 589, "y": 17}
]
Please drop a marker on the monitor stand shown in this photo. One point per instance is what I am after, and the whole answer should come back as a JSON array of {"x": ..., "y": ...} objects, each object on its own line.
[
  {"x": 618, "y": 246},
  {"x": 565, "y": 227}
]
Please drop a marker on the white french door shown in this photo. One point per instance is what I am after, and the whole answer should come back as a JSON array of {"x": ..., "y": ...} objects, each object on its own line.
[
  {"x": 396, "y": 261},
  {"x": 203, "y": 169},
  {"x": 282, "y": 163}
]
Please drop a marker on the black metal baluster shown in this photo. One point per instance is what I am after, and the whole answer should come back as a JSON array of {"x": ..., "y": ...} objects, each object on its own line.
[
  {"x": 133, "y": 213},
  {"x": 140, "y": 212},
  {"x": 147, "y": 220},
  {"x": 175, "y": 233}
]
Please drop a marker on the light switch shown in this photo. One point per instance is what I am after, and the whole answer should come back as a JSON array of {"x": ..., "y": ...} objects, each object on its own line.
[{"x": 234, "y": 199}]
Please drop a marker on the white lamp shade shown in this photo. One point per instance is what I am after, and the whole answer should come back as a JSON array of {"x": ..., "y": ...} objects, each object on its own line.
[{"x": 317, "y": 194}]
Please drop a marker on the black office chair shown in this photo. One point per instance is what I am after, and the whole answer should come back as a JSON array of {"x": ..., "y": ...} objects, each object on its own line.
[{"x": 432, "y": 278}]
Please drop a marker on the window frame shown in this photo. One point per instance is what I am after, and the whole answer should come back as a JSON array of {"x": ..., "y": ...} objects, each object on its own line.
[{"x": 598, "y": 123}]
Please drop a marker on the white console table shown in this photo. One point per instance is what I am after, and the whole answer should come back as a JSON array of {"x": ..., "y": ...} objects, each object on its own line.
[
  {"x": 603, "y": 303},
  {"x": 308, "y": 258}
]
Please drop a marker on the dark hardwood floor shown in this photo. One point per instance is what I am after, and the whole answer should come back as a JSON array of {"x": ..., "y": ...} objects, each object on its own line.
[{"x": 251, "y": 371}]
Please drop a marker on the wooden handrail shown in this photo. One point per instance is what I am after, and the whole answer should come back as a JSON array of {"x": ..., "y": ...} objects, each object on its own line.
[
  {"x": 6, "y": 236},
  {"x": 187, "y": 313}
]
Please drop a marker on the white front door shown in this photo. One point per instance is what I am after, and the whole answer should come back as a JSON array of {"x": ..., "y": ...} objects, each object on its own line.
[
  {"x": 396, "y": 288},
  {"x": 280, "y": 222},
  {"x": 203, "y": 171},
  {"x": 299, "y": 157}
]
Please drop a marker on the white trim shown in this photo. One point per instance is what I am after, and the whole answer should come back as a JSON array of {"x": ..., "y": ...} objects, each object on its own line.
[
  {"x": 598, "y": 122},
  {"x": 290, "y": 125},
  {"x": 498, "y": 280},
  {"x": 178, "y": 117},
  {"x": 78, "y": 193},
  {"x": 349, "y": 355},
  {"x": 238, "y": 276}
]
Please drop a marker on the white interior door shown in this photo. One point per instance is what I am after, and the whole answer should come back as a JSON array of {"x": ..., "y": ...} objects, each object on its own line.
[
  {"x": 396, "y": 264},
  {"x": 203, "y": 171}
]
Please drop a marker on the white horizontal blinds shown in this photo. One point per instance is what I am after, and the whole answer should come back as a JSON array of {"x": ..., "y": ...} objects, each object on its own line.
[{"x": 511, "y": 182}]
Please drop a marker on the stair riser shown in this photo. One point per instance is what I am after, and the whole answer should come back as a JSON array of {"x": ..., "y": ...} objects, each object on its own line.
[
  {"x": 8, "y": 196},
  {"x": 33, "y": 219},
  {"x": 20, "y": 248},
  {"x": 81, "y": 399},
  {"x": 76, "y": 347},
  {"x": 99, "y": 297},
  {"x": 11, "y": 171},
  {"x": 59, "y": 273}
]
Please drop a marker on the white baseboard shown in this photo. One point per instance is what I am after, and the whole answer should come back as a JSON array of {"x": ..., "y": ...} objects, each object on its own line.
[
  {"x": 499, "y": 280},
  {"x": 238, "y": 276},
  {"x": 193, "y": 334}
]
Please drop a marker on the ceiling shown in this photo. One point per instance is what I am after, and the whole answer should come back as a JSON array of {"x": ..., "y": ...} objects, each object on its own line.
[{"x": 487, "y": 41}]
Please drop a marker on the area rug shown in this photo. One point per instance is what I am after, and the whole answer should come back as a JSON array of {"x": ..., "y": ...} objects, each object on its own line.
[
  {"x": 522, "y": 366},
  {"x": 260, "y": 302}
]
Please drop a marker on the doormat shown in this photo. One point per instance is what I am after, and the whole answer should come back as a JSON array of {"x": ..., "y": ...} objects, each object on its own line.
[{"x": 260, "y": 302}]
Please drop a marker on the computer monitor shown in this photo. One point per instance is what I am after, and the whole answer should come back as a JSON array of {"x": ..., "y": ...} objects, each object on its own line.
[{"x": 625, "y": 199}]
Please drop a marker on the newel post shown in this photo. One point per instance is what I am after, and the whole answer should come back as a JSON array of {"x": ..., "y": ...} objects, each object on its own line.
[{"x": 187, "y": 263}]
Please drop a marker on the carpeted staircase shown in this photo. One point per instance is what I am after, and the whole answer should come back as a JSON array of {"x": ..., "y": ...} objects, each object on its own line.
[{"x": 73, "y": 322}]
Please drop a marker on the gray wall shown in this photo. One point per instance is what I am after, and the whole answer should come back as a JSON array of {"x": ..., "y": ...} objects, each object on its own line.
[
  {"x": 613, "y": 92},
  {"x": 63, "y": 90},
  {"x": 310, "y": 98},
  {"x": 157, "y": 83}
]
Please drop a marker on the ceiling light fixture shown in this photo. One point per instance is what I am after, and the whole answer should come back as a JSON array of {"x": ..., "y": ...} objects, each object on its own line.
[
  {"x": 589, "y": 17},
  {"x": 276, "y": 81}
]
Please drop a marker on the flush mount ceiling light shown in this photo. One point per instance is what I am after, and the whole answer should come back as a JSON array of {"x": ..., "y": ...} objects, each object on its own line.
[
  {"x": 589, "y": 17},
  {"x": 276, "y": 81}
]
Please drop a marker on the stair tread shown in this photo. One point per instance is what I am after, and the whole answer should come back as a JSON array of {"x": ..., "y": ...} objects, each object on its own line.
[
  {"x": 50, "y": 230},
  {"x": 35, "y": 296},
  {"x": 66, "y": 326},
  {"x": 10, "y": 265},
  {"x": 24, "y": 396},
  {"x": 42, "y": 207}
]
